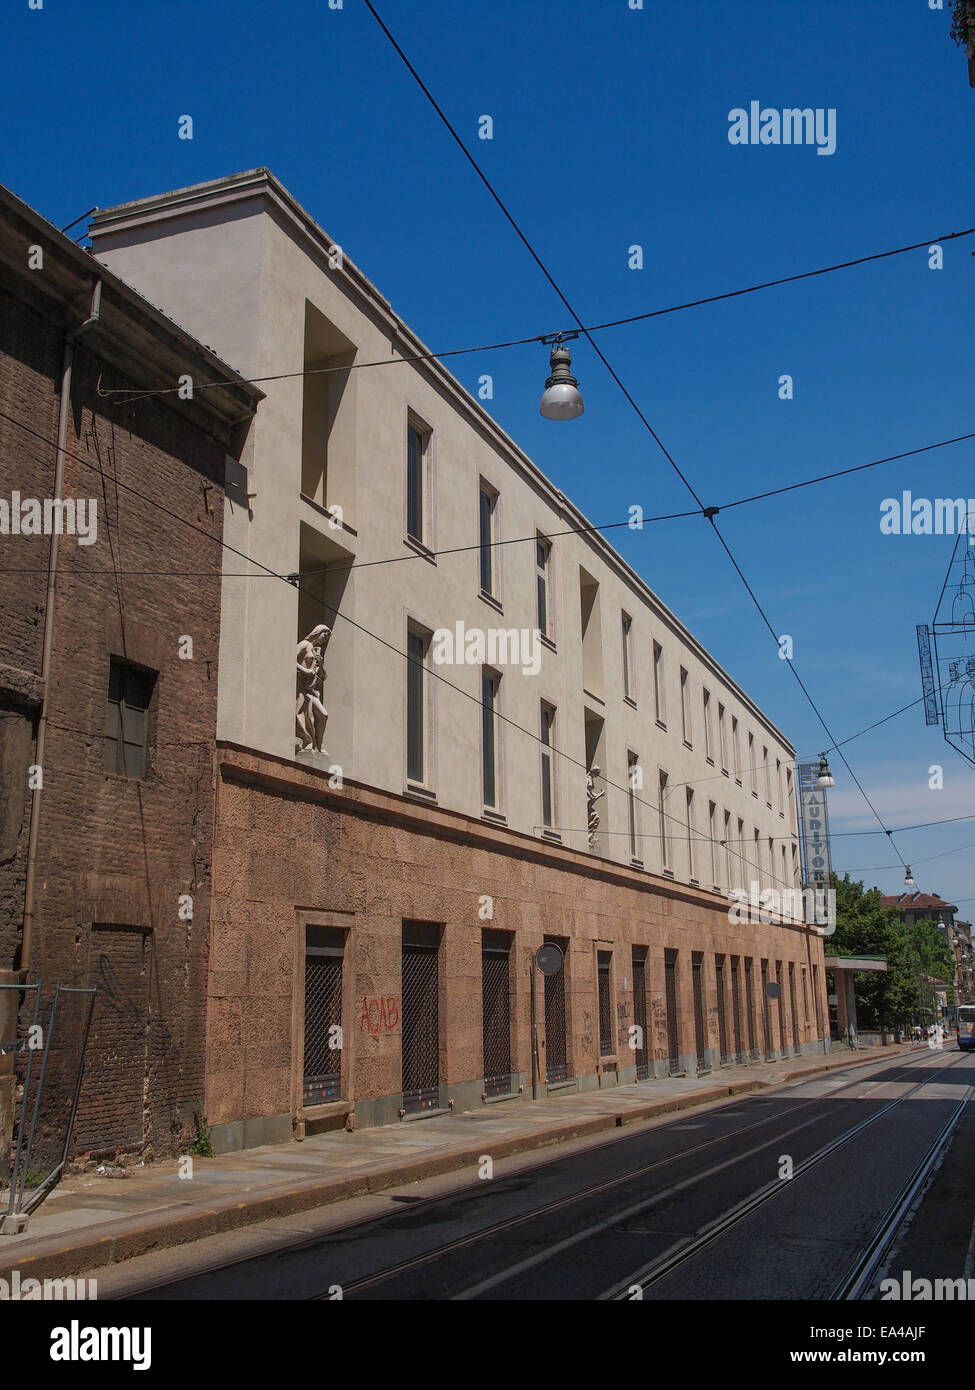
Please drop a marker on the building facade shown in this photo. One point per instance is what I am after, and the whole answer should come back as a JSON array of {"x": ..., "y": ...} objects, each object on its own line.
[
  {"x": 111, "y": 520},
  {"x": 522, "y": 743}
]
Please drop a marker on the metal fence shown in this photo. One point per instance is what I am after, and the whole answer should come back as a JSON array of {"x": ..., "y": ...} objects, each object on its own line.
[{"x": 48, "y": 1047}]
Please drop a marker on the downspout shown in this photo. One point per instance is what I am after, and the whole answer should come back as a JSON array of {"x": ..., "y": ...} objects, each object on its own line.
[{"x": 64, "y": 409}]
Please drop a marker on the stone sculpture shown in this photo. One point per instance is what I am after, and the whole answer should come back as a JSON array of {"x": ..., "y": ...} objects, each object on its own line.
[{"x": 310, "y": 712}]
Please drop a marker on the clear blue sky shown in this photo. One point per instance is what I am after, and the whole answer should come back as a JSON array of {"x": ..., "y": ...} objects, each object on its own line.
[{"x": 611, "y": 129}]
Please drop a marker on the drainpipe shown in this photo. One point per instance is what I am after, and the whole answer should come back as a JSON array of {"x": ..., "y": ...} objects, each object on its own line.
[{"x": 26, "y": 940}]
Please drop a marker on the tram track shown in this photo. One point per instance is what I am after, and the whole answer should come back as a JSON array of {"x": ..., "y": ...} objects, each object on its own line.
[
  {"x": 868, "y": 1259},
  {"x": 350, "y": 1288}
]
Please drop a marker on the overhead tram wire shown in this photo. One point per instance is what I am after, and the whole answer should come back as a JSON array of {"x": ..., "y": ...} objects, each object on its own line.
[
  {"x": 140, "y": 392},
  {"x": 709, "y": 512},
  {"x": 682, "y": 828}
]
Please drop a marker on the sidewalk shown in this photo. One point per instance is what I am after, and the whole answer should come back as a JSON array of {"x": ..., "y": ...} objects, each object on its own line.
[{"x": 92, "y": 1221}]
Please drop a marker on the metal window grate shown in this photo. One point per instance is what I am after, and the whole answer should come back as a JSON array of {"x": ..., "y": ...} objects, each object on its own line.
[
  {"x": 740, "y": 1056},
  {"x": 697, "y": 982},
  {"x": 673, "y": 1030},
  {"x": 556, "y": 1058},
  {"x": 603, "y": 963},
  {"x": 496, "y": 1015},
  {"x": 750, "y": 1008},
  {"x": 722, "y": 1012},
  {"x": 421, "y": 1028},
  {"x": 323, "y": 1016},
  {"x": 640, "y": 1014}
]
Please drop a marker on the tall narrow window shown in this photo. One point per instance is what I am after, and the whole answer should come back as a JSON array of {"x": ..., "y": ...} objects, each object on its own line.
[
  {"x": 660, "y": 709},
  {"x": 736, "y": 747},
  {"x": 685, "y": 709},
  {"x": 713, "y": 833},
  {"x": 547, "y": 736},
  {"x": 722, "y": 739},
  {"x": 741, "y": 850},
  {"x": 627, "y": 626},
  {"x": 488, "y": 507},
  {"x": 752, "y": 778},
  {"x": 778, "y": 786},
  {"x": 127, "y": 726},
  {"x": 664, "y": 837},
  {"x": 767, "y": 776},
  {"x": 691, "y": 872},
  {"x": 728, "y": 852},
  {"x": 416, "y": 449},
  {"x": 788, "y": 793},
  {"x": 416, "y": 697},
  {"x": 634, "y": 781},
  {"x": 757, "y": 856},
  {"x": 490, "y": 685},
  {"x": 708, "y": 731},
  {"x": 543, "y": 554}
]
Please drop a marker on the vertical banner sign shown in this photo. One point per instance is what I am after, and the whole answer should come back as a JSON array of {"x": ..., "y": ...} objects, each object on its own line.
[{"x": 814, "y": 828}]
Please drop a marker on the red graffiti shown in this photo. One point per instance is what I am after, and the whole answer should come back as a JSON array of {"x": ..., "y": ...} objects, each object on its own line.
[{"x": 378, "y": 1015}]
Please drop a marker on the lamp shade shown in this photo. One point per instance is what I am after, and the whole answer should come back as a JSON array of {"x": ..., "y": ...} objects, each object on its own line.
[{"x": 562, "y": 399}]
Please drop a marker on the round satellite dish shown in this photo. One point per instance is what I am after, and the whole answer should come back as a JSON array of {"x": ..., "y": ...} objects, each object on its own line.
[
  {"x": 549, "y": 958},
  {"x": 772, "y": 990}
]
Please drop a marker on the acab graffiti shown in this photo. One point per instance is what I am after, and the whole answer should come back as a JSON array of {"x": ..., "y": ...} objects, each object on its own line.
[{"x": 378, "y": 1015}]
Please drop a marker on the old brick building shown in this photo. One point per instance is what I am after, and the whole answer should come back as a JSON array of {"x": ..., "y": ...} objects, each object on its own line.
[{"x": 108, "y": 673}]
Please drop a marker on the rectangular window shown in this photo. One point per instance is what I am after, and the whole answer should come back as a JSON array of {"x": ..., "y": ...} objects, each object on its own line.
[
  {"x": 127, "y": 726},
  {"x": 604, "y": 961},
  {"x": 752, "y": 779},
  {"x": 633, "y": 782},
  {"x": 741, "y": 850},
  {"x": 664, "y": 837},
  {"x": 490, "y": 686},
  {"x": 788, "y": 793},
  {"x": 736, "y": 747},
  {"x": 627, "y": 627},
  {"x": 767, "y": 776},
  {"x": 757, "y": 856},
  {"x": 488, "y": 500},
  {"x": 713, "y": 833},
  {"x": 771, "y": 862},
  {"x": 728, "y": 852},
  {"x": 543, "y": 553},
  {"x": 416, "y": 449},
  {"x": 691, "y": 873},
  {"x": 708, "y": 731},
  {"x": 660, "y": 709},
  {"x": 685, "y": 709},
  {"x": 417, "y": 644},
  {"x": 722, "y": 739},
  {"x": 547, "y": 735},
  {"x": 778, "y": 785}
]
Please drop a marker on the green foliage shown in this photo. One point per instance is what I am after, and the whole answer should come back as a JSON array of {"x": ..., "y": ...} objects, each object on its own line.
[
  {"x": 202, "y": 1141},
  {"x": 865, "y": 927}
]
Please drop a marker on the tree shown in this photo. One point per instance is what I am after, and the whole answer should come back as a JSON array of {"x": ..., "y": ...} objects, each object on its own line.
[{"x": 864, "y": 927}]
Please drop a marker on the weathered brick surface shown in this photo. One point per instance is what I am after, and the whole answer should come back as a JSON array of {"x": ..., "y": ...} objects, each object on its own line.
[
  {"x": 114, "y": 854},
  {"x": 381, "y": 859}
]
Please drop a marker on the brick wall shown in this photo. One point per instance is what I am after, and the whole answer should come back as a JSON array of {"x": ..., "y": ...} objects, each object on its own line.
[{"x": 114, "y": 855}]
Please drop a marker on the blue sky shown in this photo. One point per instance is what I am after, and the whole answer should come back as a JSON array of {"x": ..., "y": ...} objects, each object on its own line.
[{"x": 611, "y": 129}]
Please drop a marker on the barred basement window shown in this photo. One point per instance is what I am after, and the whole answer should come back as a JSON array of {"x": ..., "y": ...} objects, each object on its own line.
[{"x": 127, "y": 726}]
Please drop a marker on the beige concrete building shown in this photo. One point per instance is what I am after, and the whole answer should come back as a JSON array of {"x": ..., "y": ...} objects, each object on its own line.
[{"x": 396, "y": 886}]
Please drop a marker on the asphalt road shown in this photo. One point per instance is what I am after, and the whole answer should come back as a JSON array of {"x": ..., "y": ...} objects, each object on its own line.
[{"x": 592, "y": 1223}]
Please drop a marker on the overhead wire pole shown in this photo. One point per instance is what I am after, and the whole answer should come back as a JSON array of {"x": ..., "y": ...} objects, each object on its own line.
[{"x": 708, "y": 512}]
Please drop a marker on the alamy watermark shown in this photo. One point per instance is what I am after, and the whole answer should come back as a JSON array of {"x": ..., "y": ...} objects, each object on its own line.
[
  {"x": 50, "y": 516},
  {"x": 908, "y": 515},
  {"x": 770, "y": 907},
  {"x": 493, "y": 646},
  {"x": 791, "y": 126},
  {"x": 17, "y": 1290}
]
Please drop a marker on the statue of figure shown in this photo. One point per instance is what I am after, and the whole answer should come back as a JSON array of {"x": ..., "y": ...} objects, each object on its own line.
[
  {"x": 310, "y": 711},
  {"x": 592, "y": 796}
]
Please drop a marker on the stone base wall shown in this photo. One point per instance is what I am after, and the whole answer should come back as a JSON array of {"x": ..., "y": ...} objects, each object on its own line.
[{"x": 293, "y": 852}]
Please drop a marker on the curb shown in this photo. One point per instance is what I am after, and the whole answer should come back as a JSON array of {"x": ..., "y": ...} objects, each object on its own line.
[{"x": 131, "y": 1236}]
